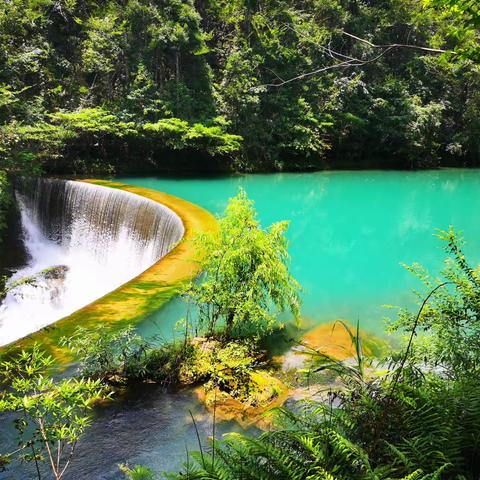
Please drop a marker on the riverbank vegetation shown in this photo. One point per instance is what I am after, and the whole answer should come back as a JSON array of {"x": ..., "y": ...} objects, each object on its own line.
[
  {"x": 416, "y": 417},
  {"x": 92, "y": 86}
]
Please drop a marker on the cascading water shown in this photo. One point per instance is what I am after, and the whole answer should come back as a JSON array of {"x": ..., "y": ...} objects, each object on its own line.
[{"x": 83, "y": 241}]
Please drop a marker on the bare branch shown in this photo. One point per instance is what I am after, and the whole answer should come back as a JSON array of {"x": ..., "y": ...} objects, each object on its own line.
[
  {"x": 345, "y": 64},
  {"x": 349, "y": 61},
  {"x": 397, "y": 45}
]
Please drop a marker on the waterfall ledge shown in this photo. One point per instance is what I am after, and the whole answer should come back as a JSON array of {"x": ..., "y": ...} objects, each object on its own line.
[{"x": 147, "y": 292}]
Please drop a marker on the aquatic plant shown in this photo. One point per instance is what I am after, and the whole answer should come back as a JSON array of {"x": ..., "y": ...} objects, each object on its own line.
[
  {"x": 234, "y": 370},
  {"x": 425, "y": 429}
]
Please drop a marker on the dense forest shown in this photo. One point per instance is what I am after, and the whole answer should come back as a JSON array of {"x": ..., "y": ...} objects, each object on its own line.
[{"x": 109, "y": 86}]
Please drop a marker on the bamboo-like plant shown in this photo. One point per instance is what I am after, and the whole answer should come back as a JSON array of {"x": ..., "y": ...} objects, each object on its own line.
[
  {"x": 51, "y": 416},
  {"x": 246, "y": 279}
]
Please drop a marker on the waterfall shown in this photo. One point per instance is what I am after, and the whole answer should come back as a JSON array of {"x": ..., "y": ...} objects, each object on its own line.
[{"x": 83, "y": 241}]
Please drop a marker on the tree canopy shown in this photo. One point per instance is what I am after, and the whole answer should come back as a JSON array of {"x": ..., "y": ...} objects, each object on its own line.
[{"x": 136, "y": 85}]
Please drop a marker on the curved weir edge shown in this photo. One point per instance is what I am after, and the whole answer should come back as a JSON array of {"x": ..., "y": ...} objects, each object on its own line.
[{"x": 145, "y": 293}]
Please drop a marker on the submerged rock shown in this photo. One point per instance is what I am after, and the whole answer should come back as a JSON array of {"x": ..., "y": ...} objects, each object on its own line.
[
  {"x": 266, "y": 393},
  {"x": 50, "y": 280},
  {"x": 54, "y": 273},
  {"x": 314, "y": 368},
  {"x": 334, "y": 340}
]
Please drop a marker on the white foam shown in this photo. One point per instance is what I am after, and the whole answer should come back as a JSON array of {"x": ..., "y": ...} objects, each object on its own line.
[{"x": 107, "y": 237}]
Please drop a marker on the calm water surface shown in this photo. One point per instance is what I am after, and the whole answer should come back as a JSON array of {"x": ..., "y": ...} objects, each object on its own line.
[{"x": 349, "y": 234}]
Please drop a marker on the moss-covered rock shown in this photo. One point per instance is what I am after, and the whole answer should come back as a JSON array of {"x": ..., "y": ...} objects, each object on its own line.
[
  {"x": 51, "y": 279},
  {"x": 237, "y": 383},
  {"x": 265, "y": 392}
]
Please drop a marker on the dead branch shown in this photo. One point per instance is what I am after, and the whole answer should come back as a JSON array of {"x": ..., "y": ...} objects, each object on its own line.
[{"x": 345, "y": 61}]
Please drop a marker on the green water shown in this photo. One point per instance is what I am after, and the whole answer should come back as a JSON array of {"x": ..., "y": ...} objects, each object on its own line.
[{"x": 349, "y": 232}]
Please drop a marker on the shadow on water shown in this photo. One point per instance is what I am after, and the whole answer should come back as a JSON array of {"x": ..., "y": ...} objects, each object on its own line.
[
  {"x": 147, "y": 426},
  {"x": 12, "y": 251}
]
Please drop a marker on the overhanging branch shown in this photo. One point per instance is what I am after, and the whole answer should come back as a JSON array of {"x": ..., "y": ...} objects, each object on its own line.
[{"x": 345, "y": 61}]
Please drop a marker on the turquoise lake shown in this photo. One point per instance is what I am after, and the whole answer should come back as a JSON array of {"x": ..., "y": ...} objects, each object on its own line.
[{"x": 349, "y": 233}]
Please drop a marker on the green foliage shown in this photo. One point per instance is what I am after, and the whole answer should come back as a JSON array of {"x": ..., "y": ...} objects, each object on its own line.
[
  {"x": 461, "y": 24},
  {"x": 91, "y": 85},
  {"x": 227, "y": 367},
  {"x": 95, "y": 121},
  {"x": 105, "y": 355},
  {"x": 425, "y": 432},
  {"x": 138, "y": 472},
  {"x": 91, "y": 134},
  {"x": 124, "y": 356},
  {"x": 179, "y": 134},
  {"x": 51, "y": 416},
  {"x": 246, "y": 281},
  {"x": 102, "y": 47},
  {"x": 4, "y": 199},
  {"x": 450, "y": 320},
  {"x": 426, "y": 429},
  {"x": 354, "y": 370},
  {"x": 467, "y": 10}
]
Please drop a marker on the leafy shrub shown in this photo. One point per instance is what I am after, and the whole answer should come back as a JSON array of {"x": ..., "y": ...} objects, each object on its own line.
[
  {"x": 224, "y": 366},
  {"x": 246, "y": 280},
  {"x": 449, "y": 324},
  {"x": 51, "y": 416},
  {"x": 124, "y": 356},
  {"x": 179, "y": 134},
  {"x": 138, "y": 472}
]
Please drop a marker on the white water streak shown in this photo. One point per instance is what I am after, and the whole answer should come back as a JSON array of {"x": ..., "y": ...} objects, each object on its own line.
[{"x": 103, "y": 236}]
